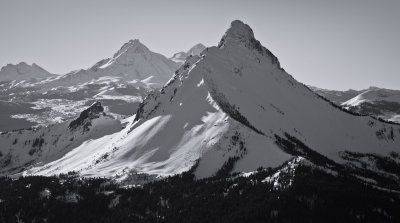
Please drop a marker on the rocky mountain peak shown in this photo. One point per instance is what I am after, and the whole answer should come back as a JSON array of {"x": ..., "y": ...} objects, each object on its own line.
[
  {"x": 23, "y": 71},
  {"x": 240, "y": 33},
  {"x": 132, "y": 46},
  {"x": 94, "y": 111}
]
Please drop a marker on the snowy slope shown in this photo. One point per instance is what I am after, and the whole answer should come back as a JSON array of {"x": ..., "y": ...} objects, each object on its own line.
[
  {"x": 374, "y": 101},
  {"x": 119, "y": 82},
  {"x": 337, "y": 97},
  {"x": 21, "y": 149},
  {"x": 379, "y": 102},
  {"x": 194, "y": 51},
  {"x": 373, "y": 94},
  {"x": 133, "y": 62},
  {"x": 234, "y": 102},
  {"x": 23, "y": 71}
]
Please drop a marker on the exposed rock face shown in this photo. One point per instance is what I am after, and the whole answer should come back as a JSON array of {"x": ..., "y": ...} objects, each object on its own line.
[
  {"x": 94, "y": 111},
  {"x": 240, "y": 33}
]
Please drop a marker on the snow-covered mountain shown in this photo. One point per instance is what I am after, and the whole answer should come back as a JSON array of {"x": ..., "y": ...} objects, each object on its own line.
[
  {"x": 23, "y": 149},
  {"x": 119, "y": 82},
  {"x": 379, "y": 102},
  {"x": 374, "y": 101},
  {"x": 233, "y": 106},
  {"x": 23, "y": 71},
  {"x": 133, "y": 62},
  {"x": 180, "y": 57},
  {"x": 337, "y": 97}
]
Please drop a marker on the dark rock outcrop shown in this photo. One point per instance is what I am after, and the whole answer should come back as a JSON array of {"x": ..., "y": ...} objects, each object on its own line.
[{"x": 94, "y": 111}]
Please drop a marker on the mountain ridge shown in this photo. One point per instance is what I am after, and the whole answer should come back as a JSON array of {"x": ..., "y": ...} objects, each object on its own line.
[
  {"x": 234, "y": 102},
  {"x": 119, "y": 83},
  {"x": 133, "y": 61},
  {"x": 180, "y": 57},
  {"x": 374, "y": 101},
  {"x": 23, "y": 71}
]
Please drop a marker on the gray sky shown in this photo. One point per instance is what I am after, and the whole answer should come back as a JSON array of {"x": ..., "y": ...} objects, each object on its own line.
[{"x": 330, "y": 44}]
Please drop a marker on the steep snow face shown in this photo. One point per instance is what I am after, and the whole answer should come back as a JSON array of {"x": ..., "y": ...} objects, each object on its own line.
[
  {"x": 23, "y": 71},
  {"x": 274, "y": 103},
  {"x": 22, "y": 149},
  {"x": 232, "y": 103},
  {"x": 194, "y": 51}
]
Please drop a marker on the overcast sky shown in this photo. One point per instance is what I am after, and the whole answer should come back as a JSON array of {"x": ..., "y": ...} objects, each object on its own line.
[{"x": 329, "y": 44}]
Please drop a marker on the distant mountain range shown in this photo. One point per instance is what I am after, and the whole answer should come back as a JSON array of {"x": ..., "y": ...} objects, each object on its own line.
[
  {"x": 194, "y": 51},
  {"x": 23, "y": 71},
  {"x": 119, "y": 82},
  {"x": 374, "y": 101}
]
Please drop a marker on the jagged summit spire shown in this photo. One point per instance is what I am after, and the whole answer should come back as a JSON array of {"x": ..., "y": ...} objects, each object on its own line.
[
  {"x": 237, "y": 32},
  {"x": 240, "y": 33}
]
